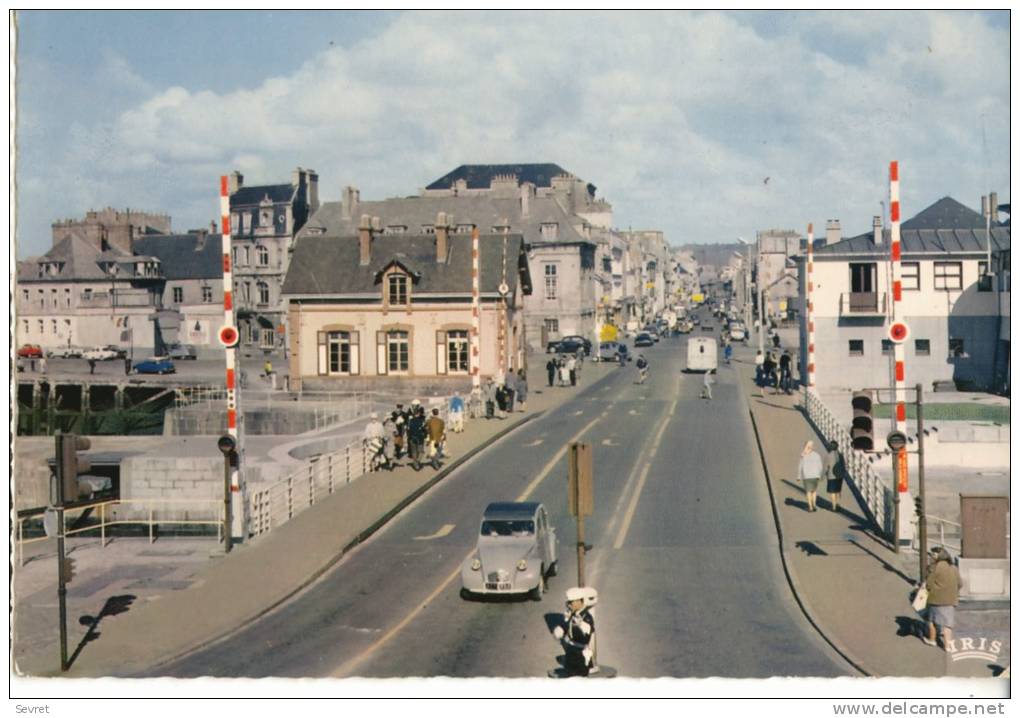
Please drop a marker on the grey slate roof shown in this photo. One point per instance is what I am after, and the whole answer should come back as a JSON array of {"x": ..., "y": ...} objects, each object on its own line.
[
  {"x": 922, "y": 241},
  {"x": 483, "y": 211},
  {"x": 185, "y": 256},
  {"x": 479, "y": 176},
  {"x": 256, "y": 193},
  {"x": 947, "y": 213},
  {"x": 80, "y": 260},
  {"x": 330, "y": 265}
]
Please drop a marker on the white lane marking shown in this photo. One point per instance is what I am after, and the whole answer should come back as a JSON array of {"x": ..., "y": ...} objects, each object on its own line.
[
  {"x": 444, "y": 531},
  {"x": 536, "y": 442},
  {"x": 578, "y": 412},
  {"x": 632, "y": 412},
  {"x": 608, "y": 442},
  {"x": 352, "y": 663}
]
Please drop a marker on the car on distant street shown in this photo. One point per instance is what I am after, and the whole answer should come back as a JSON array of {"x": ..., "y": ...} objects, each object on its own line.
[
  {"x": 121, "y": 352},
  {"x": 567, "y": 346},
  {"x": 68, "y": 352},
  {"x": 652, "y": 331},
  {"x": 515, "y": 554},
  {"x": 182, "y": 352},
  {"x": 30, "y": 351},
  {"x": 737, "y": 331},
  {"x": 607, "y": 351},
  {"x": 155, "y": 365},
  {"x": 696, "y": 320},
  {"x": 585, "y": 343},
  {"x": 99, "y": 354},
  {"x": 644, "y": 340}
]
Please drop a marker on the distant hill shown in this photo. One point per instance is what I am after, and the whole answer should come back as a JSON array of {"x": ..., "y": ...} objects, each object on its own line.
[{"x": 715, "y": 255}]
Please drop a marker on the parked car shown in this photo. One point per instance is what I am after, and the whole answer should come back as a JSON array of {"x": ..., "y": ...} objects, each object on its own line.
[
  {"x": 644, "y": 340},
  {"x": 182, "y": 352},
  {"x": 30, "y": 351},
  {"x": 585, "y": 343},
  {"x": 652, "y": 331},
  {"x": 155, "y": 365},
  {"x": 68, "y": 352},
  {"x": 607, "y": 352},
  {"x": 121, "y": 352},
  {"x": 552, "y": 347},
  {"x": 100, "y": 354},
  {"x": 567, "y": 346},
  {"x": 737, "y": 331},
  {"x": 516, "y": 552}
]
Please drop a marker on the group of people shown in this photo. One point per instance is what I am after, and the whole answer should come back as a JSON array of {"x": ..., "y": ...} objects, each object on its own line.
[
  {"x": 813, "y": 468},
  {"x": 410, "y": 433},
  {"x": 774, "y": 369},
  {"x": 566, "y": 368},
  {"x": 500, "y": 397}
]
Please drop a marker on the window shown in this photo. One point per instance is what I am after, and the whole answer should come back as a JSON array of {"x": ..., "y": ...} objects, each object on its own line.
[
  {"x": 984, "y": 283},
  {"x": 42, "y": 326},
  {"x": 887, "y": 347},
  {"x": 956, "y": 348},
  {"x": 207, "y": 294},
  {"x": 24, "y": 326},
  {"x": 247, "y": 217},
  {"x": 246, "y": 255},
  {"x": 53, "y": 298},
  {"x": 397, "y": 288},
  {"x": 263, "y": 290},
  {"x": 86, "y": 293},
  {"x": 552, "y": 326},
  {"x": 948, "y": 275},
  {"x": 178, "y": 295},
  {"x": 262, "y": 254},
  {"x": 465, "y": 228},
  {"x": 268, "y": 338},
  {"x": 910, "y": 275},
  {"x": 235, "y": 223},
  {"x": 53, "y": 326},
  {"x": 398, "y": 351},
  {"x": 863, "y": 278},
  {"x": 428, "y": 229},
  {"x": 457, "y": 348},
  {"x": 550, "y": 230},
  {"x": 922, "y": 347},
  {"x": 42, "y": 299},
  {"x": 396, "y": 229},
  {"x": 24, "y": 295},
  {"x": 856, "y": 347},
  {"x": 67, "y": 297},
  {"x": 266, "y": 218},
  {"x": 339, "y": 352},
  {"x": 246, "y": 292},
  {"x": 550, "y": 281}
]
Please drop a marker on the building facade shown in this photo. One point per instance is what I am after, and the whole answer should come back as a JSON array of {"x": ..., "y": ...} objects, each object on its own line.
[{"x": 384, "y": 311}]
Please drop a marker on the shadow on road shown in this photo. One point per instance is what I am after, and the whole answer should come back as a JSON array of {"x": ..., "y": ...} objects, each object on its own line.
[
  {"x": 811, "y": 548},
  {"x": 114, "y": 606}
]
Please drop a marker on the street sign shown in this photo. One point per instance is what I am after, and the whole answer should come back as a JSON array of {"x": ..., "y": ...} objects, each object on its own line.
[
  {"x": 902, "y": 483},
  {"x": 896, "y": 440},
  {"x": 228, "y": 336},
  {"x": 579, "y": 483},
  {"x": 608, "y": 333},
  {"x": 898, "y": 332}
]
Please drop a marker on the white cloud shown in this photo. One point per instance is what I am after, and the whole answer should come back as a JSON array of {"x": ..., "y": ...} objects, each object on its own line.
[{"x": 677, "y": 117}]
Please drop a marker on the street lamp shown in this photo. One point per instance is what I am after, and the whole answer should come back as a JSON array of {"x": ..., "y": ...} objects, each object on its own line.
[
  {"x": 228, "y": 447},
  {"x": 747, "y": 289}
]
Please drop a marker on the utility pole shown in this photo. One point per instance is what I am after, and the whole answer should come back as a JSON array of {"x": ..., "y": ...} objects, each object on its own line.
[
  {"x": 922, "y": 511},
  {"x": 581, "y": 497}
]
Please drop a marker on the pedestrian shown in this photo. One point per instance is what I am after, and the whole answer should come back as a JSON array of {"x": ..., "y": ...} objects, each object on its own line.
[
  {"x": 642, "y": 367},
  {"x": 475, "y": 403},
  {"x": 390, "y": 431},
  {"x": 943, "y": 586},
  {"x": 833, "y": 474},
  {"x": 92, "y": 366},
  {"x": 400, "y": 422},
  {"x": 489, "y": 394},
  {"x": 810, "y": 471},
  {"x": 564, "y": 372},
  {"x": 706, "y": 389},
  {"x": 436, "y": 430},
  {"x": 576, "y": 634},
  {"x": 267, "y": 369},
  {"x": 42, "y": 364},
  {"x": 456, "y": 414},
  {"x": 775, "y": 340},
  {"x": 727, "y": 352},
  {"x": 501, "y": 401},
  {"x": 375, "y": 441},
  {"x": 572, "y": 369},
  {"x": 759, "y": 371},
  {"x": 522, "y": 389},
  {"x": 785, "y": 375},
  {"x": 416, "y": 435},
  {"x": 550, "y": 369},
  {"x": 127, "y": 366},
  {"x": 510, "y": 387}
]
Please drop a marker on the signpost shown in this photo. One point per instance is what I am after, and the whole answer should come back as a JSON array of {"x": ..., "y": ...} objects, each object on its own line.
[{"x": 580, "y": 497}]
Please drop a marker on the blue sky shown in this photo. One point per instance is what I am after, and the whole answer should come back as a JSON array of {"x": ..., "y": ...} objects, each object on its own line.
[{"x": 706, "y": 125}]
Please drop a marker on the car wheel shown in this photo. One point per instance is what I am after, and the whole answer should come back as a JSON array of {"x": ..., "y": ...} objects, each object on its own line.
[
  {"x": 553, "y": 568},
  {"x": 465, "y": 594},
  {"x": 535, "y": 594}
]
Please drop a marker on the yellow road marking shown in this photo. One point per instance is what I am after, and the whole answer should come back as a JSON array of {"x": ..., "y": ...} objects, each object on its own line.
[
  {"x": 444, "y": 531},
  {"x": 349, "y": 665}
]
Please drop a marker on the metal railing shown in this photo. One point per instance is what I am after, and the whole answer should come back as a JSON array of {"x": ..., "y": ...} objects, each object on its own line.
[
  {"x": 152, "y": 520},
  {"x": 862, "y": 303},
  {"x": 876, "y": 496}
]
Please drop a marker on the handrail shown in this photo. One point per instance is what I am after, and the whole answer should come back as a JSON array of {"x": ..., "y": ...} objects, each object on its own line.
[{"x": 152, "y": 521}]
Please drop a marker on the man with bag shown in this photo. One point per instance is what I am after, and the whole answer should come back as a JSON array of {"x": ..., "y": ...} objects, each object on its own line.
[{"x": 942, "y": 593}]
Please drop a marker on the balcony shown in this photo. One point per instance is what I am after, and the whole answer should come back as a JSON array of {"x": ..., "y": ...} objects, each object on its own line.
[
  {"x": 862, "y": 304},
  {"x": 104, "y": 300}
]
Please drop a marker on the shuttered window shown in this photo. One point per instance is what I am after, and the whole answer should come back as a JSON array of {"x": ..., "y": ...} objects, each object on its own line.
[{"x": 440, "y": 352}]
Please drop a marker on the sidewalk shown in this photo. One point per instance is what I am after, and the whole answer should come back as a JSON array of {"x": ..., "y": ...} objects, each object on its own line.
[
  {"x": 227, "y": 592},
  {"x": 852, "y": 586}
]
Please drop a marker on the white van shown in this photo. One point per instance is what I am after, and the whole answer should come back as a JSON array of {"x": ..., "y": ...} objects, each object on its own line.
[{"x": 702, "y": 354}]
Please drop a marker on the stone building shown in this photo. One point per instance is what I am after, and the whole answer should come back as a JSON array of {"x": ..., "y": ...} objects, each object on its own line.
[
  {"x": 264, "y": 219},
  {"x": 540, "y": 202},
  {"x": 377, "y": 310},
  {"x": 775, "y": 272},
  {"x": 111, "y": 229}
]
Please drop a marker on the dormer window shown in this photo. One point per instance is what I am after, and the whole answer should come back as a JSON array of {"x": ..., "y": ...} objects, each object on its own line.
[
  {"x": 396, "y": 229},
  {"x": 266, "y": 218},
  {"x": 428, "y": 229},
  {"x": 396, "y": 288},
  {"x": 465, "y": 228},
  {"x": 550, "y": 230}
]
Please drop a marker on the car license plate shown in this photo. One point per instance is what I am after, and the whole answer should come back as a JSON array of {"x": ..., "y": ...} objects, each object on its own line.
[{"x": 502, "y": 586}]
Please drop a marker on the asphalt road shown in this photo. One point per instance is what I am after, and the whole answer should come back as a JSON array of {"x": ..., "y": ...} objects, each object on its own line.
[{"x": 685, "y": 557}]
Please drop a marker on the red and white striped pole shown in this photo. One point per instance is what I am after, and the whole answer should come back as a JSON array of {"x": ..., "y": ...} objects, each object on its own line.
[
  {"x": 899, "y": 378},
  {"x": 810, "y": 307},
  {"x": 230, "y": 337},
  {"x": 476, "y": 378}
]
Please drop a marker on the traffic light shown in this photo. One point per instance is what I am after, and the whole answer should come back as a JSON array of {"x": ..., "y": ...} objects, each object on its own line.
[
  {"x": 69, "y": 465},
  {"x": 862, "y": 431}
]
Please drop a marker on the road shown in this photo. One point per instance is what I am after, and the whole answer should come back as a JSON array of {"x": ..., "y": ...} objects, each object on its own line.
[{"x": 685, "y": 556}]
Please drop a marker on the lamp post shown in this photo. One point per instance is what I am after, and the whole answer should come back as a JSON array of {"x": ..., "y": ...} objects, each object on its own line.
[
  {"x": 227, "y": 445},
  {"x": 747, "y": 288}
]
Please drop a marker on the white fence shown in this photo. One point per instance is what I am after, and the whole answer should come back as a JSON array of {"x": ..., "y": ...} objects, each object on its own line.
[{"x": 877, "y": 497}]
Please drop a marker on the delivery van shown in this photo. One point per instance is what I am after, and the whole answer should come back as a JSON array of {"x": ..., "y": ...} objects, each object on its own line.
[{"x": 702, "y": 354}]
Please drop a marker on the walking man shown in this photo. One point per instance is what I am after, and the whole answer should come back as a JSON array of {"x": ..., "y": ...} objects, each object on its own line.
[
  {"x": 511, "y": 390},
  {"x": 785, "y": 377},
  {"x": 550, "y": 369},
  {"x": 416, "y": 435},
  {"x": 943, "y": 586},
  {"x": 436, "y": 430},
  {"x": 572, "y": 368},
  {"x": 706, "y": 390},
  {"x": 642, "y": 367}
]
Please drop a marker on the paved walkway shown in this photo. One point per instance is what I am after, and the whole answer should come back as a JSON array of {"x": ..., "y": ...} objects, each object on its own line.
[
  {"x": 853, "y": 587},
  {"x": 214, "y": 597}
]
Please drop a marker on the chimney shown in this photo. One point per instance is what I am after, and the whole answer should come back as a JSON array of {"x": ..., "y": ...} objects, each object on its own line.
[
  {"x": 365, "y": 240},
  {"x": 526, "y": 190},
  {"x": 350, "y": 202},
  {"x": 313, "y": 190},
  {"x": 235, "y": 182},
  {"x": 212, "y": 227},
  {"x": 876, "y": 230},
  {"x": 442, "y": 237},
  {"x": 832, "y": 231},
  {"x": 993, "y": 204}
]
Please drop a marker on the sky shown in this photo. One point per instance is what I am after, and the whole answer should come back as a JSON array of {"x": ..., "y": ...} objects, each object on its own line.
[{"x": 706, "y": 125}]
